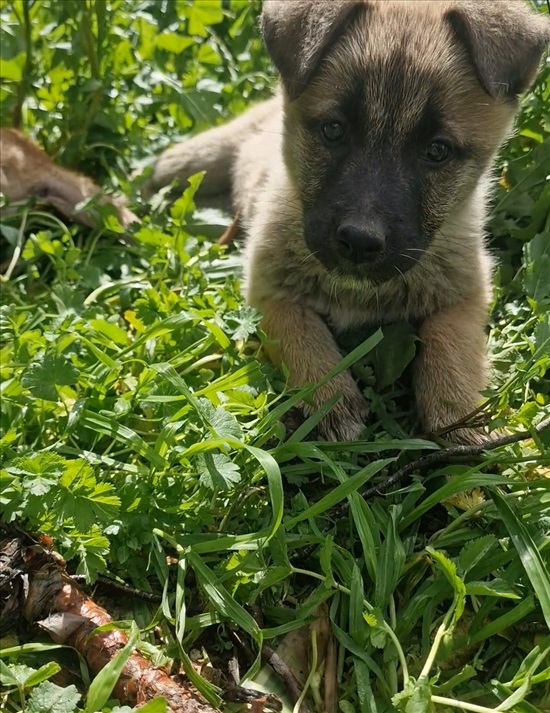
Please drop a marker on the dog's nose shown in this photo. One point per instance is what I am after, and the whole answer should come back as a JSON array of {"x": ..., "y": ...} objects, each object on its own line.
[{"x": 359, "y": 244}]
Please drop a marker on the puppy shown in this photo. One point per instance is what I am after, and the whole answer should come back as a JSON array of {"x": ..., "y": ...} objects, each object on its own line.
[
  {"x": 363, "y": 185},
  {"x": 26, "y": 170}
]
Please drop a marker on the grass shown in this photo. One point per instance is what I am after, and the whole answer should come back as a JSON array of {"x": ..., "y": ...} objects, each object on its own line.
[{"x": 141, "y": 427}]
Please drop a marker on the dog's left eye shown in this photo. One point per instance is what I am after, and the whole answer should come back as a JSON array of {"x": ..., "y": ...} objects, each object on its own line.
[
  {"x": 333, "y": 131},
  {"x": 438, "y": 152}
]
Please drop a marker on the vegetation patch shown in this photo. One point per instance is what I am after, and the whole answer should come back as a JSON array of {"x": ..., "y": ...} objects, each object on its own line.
[{"x": 143, "y": 433}]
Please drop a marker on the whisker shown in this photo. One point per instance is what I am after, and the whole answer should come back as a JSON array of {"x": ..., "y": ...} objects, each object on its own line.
[
  {"x": 402, "y": 276},
  {"x": 422, "y": 266},
  {"x": 307, "y": 257}
]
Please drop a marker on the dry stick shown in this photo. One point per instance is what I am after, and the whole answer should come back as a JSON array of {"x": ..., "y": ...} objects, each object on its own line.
[
  {"x": 272, "y": 658},
  {"x": 107, "y": 582},
  {"x": 443, "y": 456},
  {"x": 232, "y": 231},
  {"x": 285, "y": 674},
  {"x": 456, "y": 451}
]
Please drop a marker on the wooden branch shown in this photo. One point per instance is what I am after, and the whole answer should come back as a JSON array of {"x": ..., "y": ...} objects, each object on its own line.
[
  {"x": 35, "y": 585},
  {"x": 445, "y": 455}
]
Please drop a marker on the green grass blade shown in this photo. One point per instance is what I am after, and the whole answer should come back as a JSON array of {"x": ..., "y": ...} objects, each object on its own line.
[
  {"x": 455, "y": 484},
  {"x": 340, "y": 492},
  {"x": 109, "y": 427},
  {"x": 530, "y": 556},
  {"x": 103, "y": 684},
  {"x": 224, "y": 603}
]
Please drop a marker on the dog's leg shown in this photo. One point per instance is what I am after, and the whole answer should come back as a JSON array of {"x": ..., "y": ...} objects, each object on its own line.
[
  {"x": 452, "y": 367},
  {"x": 300, "y": 339},
  {"x": 213, "y": 151}
]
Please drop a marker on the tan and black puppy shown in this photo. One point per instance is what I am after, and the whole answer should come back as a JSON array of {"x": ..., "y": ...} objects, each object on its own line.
[{"x": 364, "y": 185}]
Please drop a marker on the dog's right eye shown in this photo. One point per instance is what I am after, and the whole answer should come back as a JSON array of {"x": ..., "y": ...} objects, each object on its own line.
[
  {"x": 438, "y": 152},
  {"x": 333, "y": 131}
]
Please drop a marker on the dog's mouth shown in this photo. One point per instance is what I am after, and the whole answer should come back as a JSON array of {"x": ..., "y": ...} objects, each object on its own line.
[
  {"x": 378, "y": 273},
  {"x": 381, "y": 267}
]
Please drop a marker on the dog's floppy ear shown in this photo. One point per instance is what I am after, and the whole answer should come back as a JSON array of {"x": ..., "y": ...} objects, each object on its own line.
[
  {"x": 505, "y": 40},
  {"x": 297, "y": 33}
]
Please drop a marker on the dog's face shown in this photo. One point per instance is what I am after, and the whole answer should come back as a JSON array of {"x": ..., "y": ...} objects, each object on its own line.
[{"x": 393, "y": 114}]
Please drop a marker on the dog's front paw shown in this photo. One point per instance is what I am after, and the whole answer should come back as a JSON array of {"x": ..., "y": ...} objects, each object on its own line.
[{"x": 346, "y": 420}]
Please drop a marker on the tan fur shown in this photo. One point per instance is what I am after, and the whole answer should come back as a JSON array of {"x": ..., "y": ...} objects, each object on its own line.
[
  {"x": 296, "y": 330},
  {"x": 478, "y": 58},
  {"x": 213, "y": 151},
  {"x": 26, "y": 170}
]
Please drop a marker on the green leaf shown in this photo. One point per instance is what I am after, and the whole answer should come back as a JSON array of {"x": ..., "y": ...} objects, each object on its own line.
[
  {"x": 43, "y": 673},
  {"x": 217, "y": 471},
  {"x": 41, "y": 378},
  {"x": 246, "y": 320},
  {"x": 224, "y": 603},
  {"x": 465, "y": 674},
  {"x": 493, "y": 588},
  {"x": 185, "y": 205},
  {"x": 416, "y": 697},
  {"x": 109, "y": 427},
  {"x": 360, "y": 653},
  {"x": 115, "y": 333},
  {"x": 223, "y": 423},
  {"x": 454, "y": 484},
  {"x": 275, "y": 486},
  {"x": 202, "y": 13},
  {"x": 49, "y": 698},
  {"x": 501, "y": 623},
  {"x": 340, "y": 492},
  {"x": 448, "y": 568},
  {"x": 475, "y": 551},
  {"x": 528, "y": 552},
  {"x": 159, "y": 705},
  {"x": 12, "y": 69},
  {"x": 172, "y": 42},
  {"x": 88, "y": 504},
  {"x": 103, "y": 684},
  {"x": 39, "y": 473},
  {"x": 357, "y": 626},
  {"x": 378, "y": 634},
  {"x": 396, "y": 351},
  {"x": 14, "y": 675},
  {"x": 537, "y": 274},
  {"x": 391, "y": 560}
]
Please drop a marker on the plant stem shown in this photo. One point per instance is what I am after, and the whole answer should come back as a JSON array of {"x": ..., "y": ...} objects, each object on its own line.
[
  {"x": 27, "y": 68},
  {"x": 368, "y": 606},
  {"x": 17, "y": 250},
  {"x": 91, "y": 43},
  {"x": 437, "y": 641},
  {"x": 311, "y": 674},
  {"x": 467, "y": 514},
  {"x": 461, "y": 704}
]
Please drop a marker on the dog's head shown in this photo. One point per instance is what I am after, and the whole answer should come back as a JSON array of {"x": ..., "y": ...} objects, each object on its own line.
[{"x": 394, "y": 110}]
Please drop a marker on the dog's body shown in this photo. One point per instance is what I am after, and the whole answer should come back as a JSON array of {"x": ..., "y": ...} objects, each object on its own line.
[
  {"x": 26, "y": 170},
  {"x": 363, "y": 186}
]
